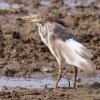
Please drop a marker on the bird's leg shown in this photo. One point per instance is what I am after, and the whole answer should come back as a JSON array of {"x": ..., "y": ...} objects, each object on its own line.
[
  {"x": 58, "y": 78},
  {"x": 75, "y": 76}
]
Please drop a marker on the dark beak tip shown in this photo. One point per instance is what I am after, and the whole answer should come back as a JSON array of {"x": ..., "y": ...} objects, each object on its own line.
[{"x": 18, "y": 19}]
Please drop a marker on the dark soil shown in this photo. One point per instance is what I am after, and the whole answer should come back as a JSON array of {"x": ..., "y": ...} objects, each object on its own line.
[{"x": 22, "y": 53}]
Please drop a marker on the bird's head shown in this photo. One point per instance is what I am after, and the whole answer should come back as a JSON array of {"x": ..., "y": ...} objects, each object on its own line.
[{"x": 39, "y": 18}]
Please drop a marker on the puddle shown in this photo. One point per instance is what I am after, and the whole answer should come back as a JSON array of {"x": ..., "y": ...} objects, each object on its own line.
[
  {"x": 16, "y": 6},
  {"x": 40, "y": 83},
  {"x": 7, "y": 6},
  {"x": 30, "y": 82},
  {"x": 73, "y": 3},
  {"x": 45, "y": 2},
  {"x": 4, "y": 5}
]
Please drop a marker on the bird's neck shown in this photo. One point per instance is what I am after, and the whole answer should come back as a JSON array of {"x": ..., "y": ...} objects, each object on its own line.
[
  {"x": 42, "y": 27},
  {"x": 43, "y": 30},
  {"x": 46, "y": 24}
]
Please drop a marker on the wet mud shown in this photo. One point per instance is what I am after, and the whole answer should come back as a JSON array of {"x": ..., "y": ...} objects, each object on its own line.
[{"x": 23, "y": 56}]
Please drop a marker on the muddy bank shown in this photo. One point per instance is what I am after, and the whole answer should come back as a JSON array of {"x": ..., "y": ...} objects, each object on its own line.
[
  {"x": 22, "y": 53},
  {"x": 19, "y": 93}
]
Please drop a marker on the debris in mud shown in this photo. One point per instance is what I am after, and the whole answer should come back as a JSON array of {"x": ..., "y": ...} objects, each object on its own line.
[
  {"x": 15, "y": 35},
  {"x": 95, "y": 85},
  {"x": 47, "y": 69},
  {"x": 10, "y": 73}
]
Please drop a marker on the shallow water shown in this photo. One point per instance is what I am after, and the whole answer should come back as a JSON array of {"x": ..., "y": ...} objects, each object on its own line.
[
  {"x": 42, "y": 82},
  {"x": 70, "y": 3},
  {"x": 45, "y": 2},
  {"x": 73, "y": 3},
  {"x": 4, "y": 5}
]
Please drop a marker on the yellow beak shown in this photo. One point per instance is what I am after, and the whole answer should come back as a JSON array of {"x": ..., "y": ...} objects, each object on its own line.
[{"x": 27, "y": 18}]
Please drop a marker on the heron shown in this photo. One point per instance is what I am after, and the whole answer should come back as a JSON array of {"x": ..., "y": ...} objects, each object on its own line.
[{"x": 63, "y": 44}]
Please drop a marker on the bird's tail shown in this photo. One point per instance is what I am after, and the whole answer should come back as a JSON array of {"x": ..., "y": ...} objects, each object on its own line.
[{"x": 88, "y": 66}]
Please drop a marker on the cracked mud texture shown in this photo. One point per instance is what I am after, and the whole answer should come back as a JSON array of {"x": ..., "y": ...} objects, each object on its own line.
[{"x": 22, "y": 53}]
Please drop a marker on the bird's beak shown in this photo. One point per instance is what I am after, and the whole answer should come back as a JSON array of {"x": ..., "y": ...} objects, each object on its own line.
[{"x": 29, "y": 18}]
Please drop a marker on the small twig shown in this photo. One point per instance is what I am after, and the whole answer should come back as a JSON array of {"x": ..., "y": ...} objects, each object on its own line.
[
  {"x": 29, "y": 27},
  {"x": 69, "y": 83}
]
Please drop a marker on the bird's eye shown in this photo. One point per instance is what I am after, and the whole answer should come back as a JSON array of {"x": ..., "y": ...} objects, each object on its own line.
[{"x": 36, "y": 17}]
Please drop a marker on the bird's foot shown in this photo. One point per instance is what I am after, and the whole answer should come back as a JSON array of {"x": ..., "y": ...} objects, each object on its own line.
[
  {"x": 55, "y": 87},
  {"x": 73, "y": 86}
]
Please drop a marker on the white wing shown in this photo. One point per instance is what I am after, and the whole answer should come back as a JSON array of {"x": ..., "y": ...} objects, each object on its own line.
[
  {"x": 79, "y": 48},
  {"x": 72, "y": 52}
]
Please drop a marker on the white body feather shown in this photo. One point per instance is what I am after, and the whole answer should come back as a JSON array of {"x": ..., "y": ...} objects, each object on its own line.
[{"x": 70, "y": 51}]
